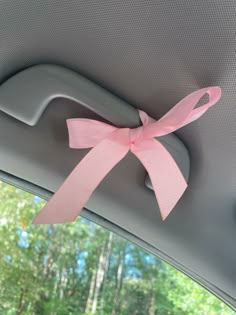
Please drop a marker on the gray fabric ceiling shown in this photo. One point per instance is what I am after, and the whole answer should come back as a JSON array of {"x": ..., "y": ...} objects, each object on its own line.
[{"x": 151, "y": 54}]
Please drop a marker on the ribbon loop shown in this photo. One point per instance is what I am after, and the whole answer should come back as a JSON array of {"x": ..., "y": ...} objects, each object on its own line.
[
  {"x": 183, "y": 112},
  {"x": 86, "y": 133},
  {"x": 65, "y": 205},
  {"x": 111, "y": 144}
]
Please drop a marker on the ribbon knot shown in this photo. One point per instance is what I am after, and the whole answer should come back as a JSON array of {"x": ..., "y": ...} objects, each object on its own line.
[
  {"x": 135, "y": 135},
  {"x": 111, "y": 144}
]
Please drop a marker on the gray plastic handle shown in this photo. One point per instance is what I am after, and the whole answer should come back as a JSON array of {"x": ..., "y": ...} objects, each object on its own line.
[{"x": 26, "y": 95}]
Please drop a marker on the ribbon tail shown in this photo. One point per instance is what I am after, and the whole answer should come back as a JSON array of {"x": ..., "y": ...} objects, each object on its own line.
[
  {"x": 66, "y": 204},
  {"x": 167, "y": 180}
]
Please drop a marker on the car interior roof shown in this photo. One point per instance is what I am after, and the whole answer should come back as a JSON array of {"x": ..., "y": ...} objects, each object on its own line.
[{"x": 150, "y": 54}]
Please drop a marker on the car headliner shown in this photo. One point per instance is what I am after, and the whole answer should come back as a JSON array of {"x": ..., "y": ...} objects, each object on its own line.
[{"x": 150, "y": 54}]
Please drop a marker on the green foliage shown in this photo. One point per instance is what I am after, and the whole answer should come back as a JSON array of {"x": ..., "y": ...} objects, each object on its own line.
[{"x": 81, "y": 268}]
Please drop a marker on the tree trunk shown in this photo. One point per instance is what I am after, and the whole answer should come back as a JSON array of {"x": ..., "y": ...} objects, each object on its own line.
[
  {"x": 56, "y": 283},
  {"x": 151, "y": 310},
  {"x": 119, "y": 275},
  {"x": 91, "y": 292},
  {"x": 49, "y": 261},
  {"x": 102, "y": 267},
  {"x": 152, "y": 278},
  {"x": 21, "y": 303},
  {"x": 63, "y": 283}
]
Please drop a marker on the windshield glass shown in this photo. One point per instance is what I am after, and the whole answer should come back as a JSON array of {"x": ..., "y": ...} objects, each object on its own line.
[{"x": 82, "y": 268}]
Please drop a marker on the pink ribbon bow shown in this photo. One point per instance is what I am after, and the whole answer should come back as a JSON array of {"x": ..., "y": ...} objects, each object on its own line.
[{"x": 111, "y": 144}]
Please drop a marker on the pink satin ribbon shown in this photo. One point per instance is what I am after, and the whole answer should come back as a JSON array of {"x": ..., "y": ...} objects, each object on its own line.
[{"x": 111, "y": 144}]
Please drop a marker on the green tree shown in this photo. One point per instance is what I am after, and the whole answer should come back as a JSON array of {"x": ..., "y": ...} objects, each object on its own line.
[{"x": 81, "y": 268}]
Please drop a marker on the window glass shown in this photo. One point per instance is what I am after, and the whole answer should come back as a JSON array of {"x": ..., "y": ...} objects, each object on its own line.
[{"x": 82, "y": 268}]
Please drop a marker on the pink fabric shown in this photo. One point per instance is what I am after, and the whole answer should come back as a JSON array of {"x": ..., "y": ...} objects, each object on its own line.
[{"x": 111, "y": 144}]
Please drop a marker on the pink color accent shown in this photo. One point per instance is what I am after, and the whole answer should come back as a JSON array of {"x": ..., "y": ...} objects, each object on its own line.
[{"x": 111, "y": 144}]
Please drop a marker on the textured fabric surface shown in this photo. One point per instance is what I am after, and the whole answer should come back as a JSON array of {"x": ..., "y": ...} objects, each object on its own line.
[{"x": 151, "y": 54}]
